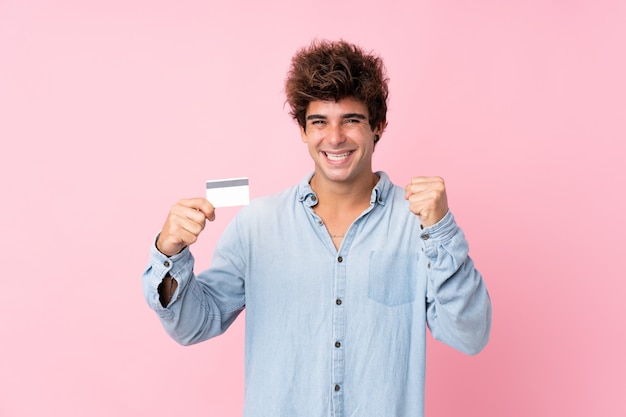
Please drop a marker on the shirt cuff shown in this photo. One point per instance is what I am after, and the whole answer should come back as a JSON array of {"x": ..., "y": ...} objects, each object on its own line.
[
  {"x": 438, "y": 234},
  {"x": 177, "y": 265}
]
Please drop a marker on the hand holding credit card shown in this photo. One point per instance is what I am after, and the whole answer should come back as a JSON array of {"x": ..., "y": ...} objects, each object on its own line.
[{"x": 228, "y": 192}]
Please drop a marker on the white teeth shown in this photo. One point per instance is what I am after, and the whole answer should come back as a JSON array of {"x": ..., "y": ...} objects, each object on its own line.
[{"x": 337, "y": 157}]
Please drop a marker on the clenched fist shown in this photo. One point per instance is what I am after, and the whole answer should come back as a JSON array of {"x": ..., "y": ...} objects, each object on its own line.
[
  {"x": 183, "y": 225},
  {"x": 427, "y": 198}
]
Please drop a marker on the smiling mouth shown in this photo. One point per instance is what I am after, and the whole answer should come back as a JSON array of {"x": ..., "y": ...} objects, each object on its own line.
[{"x": 337, "y": 157}]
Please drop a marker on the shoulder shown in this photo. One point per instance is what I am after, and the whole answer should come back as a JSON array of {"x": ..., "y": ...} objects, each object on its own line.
[
  {"x": 389, "y": 191},
  {"x": 395, "y": 206},
  {"x": 283, "y": 201},
  {"x": 266, "y": 207}
]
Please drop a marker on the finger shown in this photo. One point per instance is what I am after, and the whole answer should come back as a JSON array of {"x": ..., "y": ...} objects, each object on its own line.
[
  {"x": 200, "y": 204},
  {"x": 419, "y": 184},
  {"x": 430, "y": 206},
  {"x": 417, "y": 188},
  {"x": 187, "y": 237},
  {"x": 426, "y": 179},
  {"x": 184, "y": 224},
  {"x": 193, "y": 225},
  {"x": 197, "y": 209},
  {"x": 424, "y": 194},
  {"x": 174, "y": 239}
]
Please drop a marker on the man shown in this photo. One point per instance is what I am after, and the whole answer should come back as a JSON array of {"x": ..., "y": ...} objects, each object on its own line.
[{"x": 340, "y": 274}]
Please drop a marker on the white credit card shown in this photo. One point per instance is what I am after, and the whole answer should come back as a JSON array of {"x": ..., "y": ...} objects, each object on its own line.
[{"x": 228, "y": 192}]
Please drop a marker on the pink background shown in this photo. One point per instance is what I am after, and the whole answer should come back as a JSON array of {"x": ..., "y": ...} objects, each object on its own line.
[{"x": 110, "y": 111}]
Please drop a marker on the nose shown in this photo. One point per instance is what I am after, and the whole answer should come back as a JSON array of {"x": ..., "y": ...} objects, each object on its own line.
[{"x": 335, "y": 134}]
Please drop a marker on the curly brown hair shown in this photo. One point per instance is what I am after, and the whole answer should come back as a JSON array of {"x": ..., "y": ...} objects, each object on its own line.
[{"x": 327, "y": 70}]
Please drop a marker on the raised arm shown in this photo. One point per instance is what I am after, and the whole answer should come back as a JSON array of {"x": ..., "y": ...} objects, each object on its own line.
[{"x": 191, "y": 308}]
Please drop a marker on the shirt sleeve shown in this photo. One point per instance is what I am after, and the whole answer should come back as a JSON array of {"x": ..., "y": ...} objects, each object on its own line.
[
  {"x": 202, "y": 306},
  {"x": 458, "y": 304}
]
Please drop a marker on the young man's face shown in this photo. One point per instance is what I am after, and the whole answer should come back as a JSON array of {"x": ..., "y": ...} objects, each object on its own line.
[{"x": 340, "y": 140}]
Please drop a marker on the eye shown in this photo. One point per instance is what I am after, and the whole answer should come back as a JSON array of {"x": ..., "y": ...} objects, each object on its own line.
[
  {"x": 318, "y": 123},
  {"x": 352, "y": 121}
]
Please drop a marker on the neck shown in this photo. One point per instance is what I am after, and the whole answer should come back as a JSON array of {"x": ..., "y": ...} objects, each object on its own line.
[{"x": 337, "y": 195}]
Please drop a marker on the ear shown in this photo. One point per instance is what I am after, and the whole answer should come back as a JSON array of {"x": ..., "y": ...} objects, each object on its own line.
[
  {"x": 303, "y": 134},
  {"x": 378, "y": 131}
]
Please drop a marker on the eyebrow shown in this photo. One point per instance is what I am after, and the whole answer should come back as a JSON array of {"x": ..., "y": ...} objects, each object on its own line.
[
  {"x": 354, "y": 116},
  {"x": 343, "y": 116}
]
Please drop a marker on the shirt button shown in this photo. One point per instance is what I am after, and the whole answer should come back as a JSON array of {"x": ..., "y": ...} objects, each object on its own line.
[
  {"x": 338, "y": 302},
  {"x": 320, "y": 222},
  {"x": 166, "y": 264},
  {"x": 337, "y": 344},
  {"x": 337, "y": 387},
  {"x": 428, "y": 265},
  {"x": 426, "y": 237},
  {"x": 340, "y": 259},
  {"x": 313, "y": 198}
]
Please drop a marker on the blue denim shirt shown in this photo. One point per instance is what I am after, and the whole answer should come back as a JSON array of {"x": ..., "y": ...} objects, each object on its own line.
[{"x": 330, "y": 332}]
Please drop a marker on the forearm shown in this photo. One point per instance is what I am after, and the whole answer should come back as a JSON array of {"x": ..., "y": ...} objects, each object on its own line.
[
  {"x": 459, "y": 308},
  {"x": 190, "y": 308}
]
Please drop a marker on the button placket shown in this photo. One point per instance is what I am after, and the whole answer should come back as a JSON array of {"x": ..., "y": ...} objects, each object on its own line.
[{"x": 338, "y": 334}]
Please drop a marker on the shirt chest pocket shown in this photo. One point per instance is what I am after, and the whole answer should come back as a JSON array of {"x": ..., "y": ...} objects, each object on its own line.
[{"x": 392, "y": 277}]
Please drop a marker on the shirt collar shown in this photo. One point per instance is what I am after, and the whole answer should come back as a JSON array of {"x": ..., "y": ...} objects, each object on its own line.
[{"x": 379, "y": 195}]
